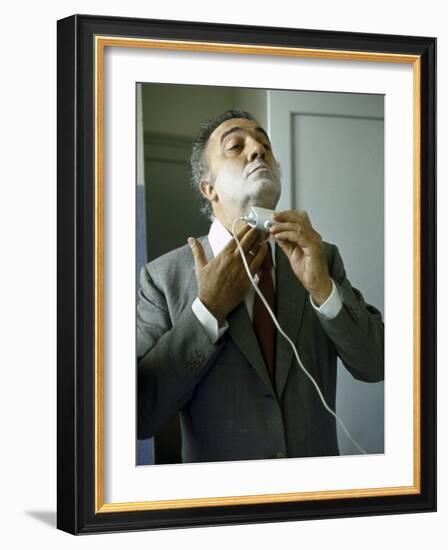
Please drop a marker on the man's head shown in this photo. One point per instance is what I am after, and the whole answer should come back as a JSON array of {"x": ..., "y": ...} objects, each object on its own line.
[{"x": 233, "y": 167}]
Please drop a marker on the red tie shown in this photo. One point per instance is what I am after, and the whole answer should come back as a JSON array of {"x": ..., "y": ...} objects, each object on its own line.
[{"x": 263, "y": 323}]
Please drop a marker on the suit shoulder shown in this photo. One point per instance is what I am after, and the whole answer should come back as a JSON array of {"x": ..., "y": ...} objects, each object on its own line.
[{"x": 172, "y": 262}]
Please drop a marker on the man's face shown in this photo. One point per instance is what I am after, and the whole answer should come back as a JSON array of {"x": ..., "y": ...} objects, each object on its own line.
[{"x": 242, "y": 167}]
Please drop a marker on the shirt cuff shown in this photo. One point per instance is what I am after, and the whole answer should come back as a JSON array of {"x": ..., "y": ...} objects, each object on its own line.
[
  {"x": 332, "y": 305},
  {"x": 208, "y": 321}
]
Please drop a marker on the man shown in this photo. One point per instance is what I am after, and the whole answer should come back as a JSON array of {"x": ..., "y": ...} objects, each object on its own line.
[{"x": 203, "y": 350}]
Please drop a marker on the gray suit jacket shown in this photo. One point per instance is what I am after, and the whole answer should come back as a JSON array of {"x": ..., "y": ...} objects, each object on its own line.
[{"x": 229, "y": 409}]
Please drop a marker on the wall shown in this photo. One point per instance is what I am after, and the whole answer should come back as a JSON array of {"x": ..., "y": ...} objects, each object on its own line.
[
  {"x": 198, "y": 103},
  {"x": 28, "y": 275}
]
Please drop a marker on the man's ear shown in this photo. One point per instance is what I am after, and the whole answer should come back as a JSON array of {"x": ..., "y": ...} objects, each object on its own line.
[{"x": 208, "y": 190}]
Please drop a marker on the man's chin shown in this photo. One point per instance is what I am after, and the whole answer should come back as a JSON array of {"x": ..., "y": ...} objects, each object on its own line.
[{"x": 265, "y": 199}]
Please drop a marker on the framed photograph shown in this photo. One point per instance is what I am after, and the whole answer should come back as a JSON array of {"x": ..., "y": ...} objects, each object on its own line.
[{"x": 204, "y": 169}]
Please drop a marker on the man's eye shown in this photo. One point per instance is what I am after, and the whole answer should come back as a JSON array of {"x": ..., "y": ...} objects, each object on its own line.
[
  {"x": 233, "y": 147},
  {"x": 266, "y": 146}
]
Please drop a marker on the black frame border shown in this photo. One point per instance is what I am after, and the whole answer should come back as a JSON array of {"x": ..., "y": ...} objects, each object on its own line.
[{"x": 76, "y": 262}]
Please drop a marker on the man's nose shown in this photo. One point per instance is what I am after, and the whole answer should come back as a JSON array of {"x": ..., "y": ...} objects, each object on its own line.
[{"x": 256, "y": 149}]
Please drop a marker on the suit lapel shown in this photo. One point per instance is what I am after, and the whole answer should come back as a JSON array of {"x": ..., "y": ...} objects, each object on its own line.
[
  {"x": 242, "y": 333},
  {"x": 290, "y": 297}
]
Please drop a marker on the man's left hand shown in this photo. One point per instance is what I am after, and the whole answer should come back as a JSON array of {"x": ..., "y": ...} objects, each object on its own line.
[{"x": 303, "y": 246}]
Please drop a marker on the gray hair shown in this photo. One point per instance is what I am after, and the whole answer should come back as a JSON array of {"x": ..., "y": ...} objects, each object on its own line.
[{"x": 198, "y": 163}]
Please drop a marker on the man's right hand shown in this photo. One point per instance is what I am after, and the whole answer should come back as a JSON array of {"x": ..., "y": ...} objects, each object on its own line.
[{"x": 223, "y": 282}]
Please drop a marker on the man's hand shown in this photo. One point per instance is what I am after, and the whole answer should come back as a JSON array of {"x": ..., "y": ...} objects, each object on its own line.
[
  {"x": 304, "y": 248},
  {"x": 223, "y": 282}
]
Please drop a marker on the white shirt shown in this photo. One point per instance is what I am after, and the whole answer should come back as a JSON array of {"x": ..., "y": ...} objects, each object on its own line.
[{"x": 218, "y": 237}]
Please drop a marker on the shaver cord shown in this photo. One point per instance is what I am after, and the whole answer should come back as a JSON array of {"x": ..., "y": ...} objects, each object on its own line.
[{"x": 288, "y": 339}]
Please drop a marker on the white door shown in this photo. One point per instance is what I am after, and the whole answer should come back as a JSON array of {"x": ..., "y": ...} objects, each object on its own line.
[{"x": 331, "y": 150}]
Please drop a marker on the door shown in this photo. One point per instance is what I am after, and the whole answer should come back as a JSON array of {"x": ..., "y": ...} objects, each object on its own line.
[{"x": 331, "y": 151}]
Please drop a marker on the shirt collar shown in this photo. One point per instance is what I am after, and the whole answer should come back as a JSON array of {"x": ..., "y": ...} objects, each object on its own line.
[{"x": 219, "y": 236}]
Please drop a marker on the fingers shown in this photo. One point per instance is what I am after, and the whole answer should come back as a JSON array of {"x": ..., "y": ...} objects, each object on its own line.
[
  {"x": 250, "y": 240},
  {"x": 199, "y": 257},
  {"x": 231, "y": 245},
  {"x": 258, "y": 259},
  {"x": 300, "y": 238},
  {"x": 280, "y": 227},
  {"x": 253, "y": 250},
  {"x": 291, "y": 216},
  {"x": 295, "y": 227}
]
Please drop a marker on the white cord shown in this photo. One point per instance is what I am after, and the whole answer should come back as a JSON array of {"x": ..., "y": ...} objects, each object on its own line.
[{"x": 263, "y": 299}]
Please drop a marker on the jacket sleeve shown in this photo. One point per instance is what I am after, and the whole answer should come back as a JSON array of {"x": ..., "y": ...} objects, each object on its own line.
[
  {"x": 357, "y": 331},
  {"x": 172, "y": 357}
]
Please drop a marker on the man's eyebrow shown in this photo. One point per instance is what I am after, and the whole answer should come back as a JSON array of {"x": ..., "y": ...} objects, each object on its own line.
[{"x": 236, "y": 128}]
